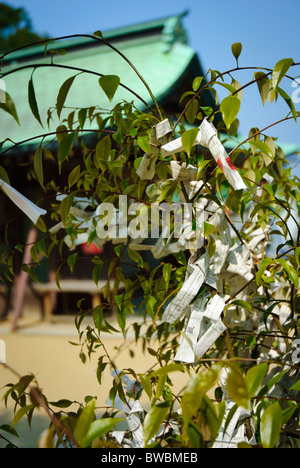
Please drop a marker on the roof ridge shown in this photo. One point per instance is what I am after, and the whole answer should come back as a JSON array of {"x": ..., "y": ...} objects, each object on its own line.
[{"x": 80, "y": 40}]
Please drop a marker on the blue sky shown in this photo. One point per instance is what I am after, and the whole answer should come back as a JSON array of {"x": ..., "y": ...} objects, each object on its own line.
[{"x": 268, "y": 30}]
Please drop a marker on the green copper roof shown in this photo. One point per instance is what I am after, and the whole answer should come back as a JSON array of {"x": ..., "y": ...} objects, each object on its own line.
[{"x": 158, "y": 49}]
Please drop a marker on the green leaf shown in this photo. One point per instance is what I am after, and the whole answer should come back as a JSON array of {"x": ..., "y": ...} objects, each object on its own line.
[
  {"x": 208, "y": 229},
  {"x": 227, "y": 86},
  {"x": 268, "y": 312},
  {"x": 197, "y": 82},
  {"x": 102, "y": 152},
  {"x": 290, "y": 271},
  {"x": 296, "y": 386},
  {"x": 254, "y": 378},
  {"x": 144, "y": 144},
  {"x": 74, "y": 176},
  {"x": 263, "y": 147},
  {"x": 195, "y": 390},
  {"x": 297, "y": 256},
  {"x": 160, "y": 386},
  {"x": 84, "y": 422},
  {"x": 280, "y": 70},
  {"x": 121, "y": 317},
  {"x": 63, "y": 93},
  {"x": 9, "y": 107},
  {"x": 167, "y": 369},
  {"x": 9, "y": 429},
  {"x": 264, "y": 87},
  {"x": 263, "y": 266},
  {"x": 167, "y": 272},
  {"x": 61, "y": 403},
  {"x": 71, "y": 261},
  {"x": 109, "y": 84},
  {"x": 265, "y": 390},
  {"x": 33, "y": 102},
  {"x": 4, "y": 176},
  {"x": 236, "y": 50},
  {"x": 230, "y": 107},
  {"x": 243, "y": 304},
  {"x": 21, "y": 413},
  {"x": 150, "y": 303},
  {"x": 270, "y": 425},
  {"x": 82, "y": 113},
  {"x": 98, "y": 429},
  {"x": 146, "y": 384},
  {"x": 65, "y": 146},
  {"x": 98, "y": 33},
  {"x": 154, "y": 419},
  {"x": 98, "y": 318},
  {"x": 195, "y": 436},
  {"x": 38, "y": 165},
  {"x": 96, "y": 272},
  {"x": 192, "y": 110},
  {"x": 65, "y": 208},
  {"x": 237, "y": 387},
  {"x": 188, "y": 139},
  {"x": 289, "y": 102}
]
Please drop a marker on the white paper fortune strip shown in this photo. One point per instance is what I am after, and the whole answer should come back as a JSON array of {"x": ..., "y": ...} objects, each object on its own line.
[
  {"x": 30, "y": 209},
  {"x": 196, "y": 276},
  {"x": 162, "y": 129},
  {"x": 146, "y": 170},
  {"x": 135, "y": 425},
  {"x": 208, "y": 137},
  {"x": 191, "y": 332},
  {"x": 183, "y": 172},
  {"x": 214, "y": 308},
  {"x": 209, "y": 338},
  {"x": 2, "y": 352}
]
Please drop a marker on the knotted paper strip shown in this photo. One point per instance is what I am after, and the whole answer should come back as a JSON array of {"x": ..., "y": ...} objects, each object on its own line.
[
  {"x": 196, "y": 275},
  {"x": 214, "y": 308},
  {"x": 208, "y": 137},
  {"x": 183, "y": 172},
  {"x": 146, "y": 170},
  {"x": 191, "y": 332},
  {"x": 209, "y": 338},
  {"x": 30, "y": 209}
]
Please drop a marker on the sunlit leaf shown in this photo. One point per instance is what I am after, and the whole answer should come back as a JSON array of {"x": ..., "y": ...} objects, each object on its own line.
[
  {"x": 254, "y": 378},
  {"x": 230, "y": 107},
  {"x": 236, "y": 50},
  {"x": 264, "y": 86},
  {"x": 84, "y": 422},
  {"x": 154, "y": 419},
  {"x": 188, "y": 139},
  {"x": 195, "y": 390},
  {"x": 237, "y": 387},
  {"x": 280, "y": 70},
  {"x": 98, "y": 429},
  {"x": 270, "y": 425}
]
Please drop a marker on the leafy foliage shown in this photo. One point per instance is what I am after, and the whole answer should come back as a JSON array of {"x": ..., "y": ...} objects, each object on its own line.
[{"x": 242, "y": 373}]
